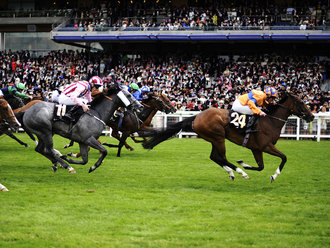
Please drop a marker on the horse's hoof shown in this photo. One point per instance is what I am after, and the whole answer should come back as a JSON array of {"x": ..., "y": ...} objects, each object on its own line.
[
  {"x": 239, "y": 161},
  {"x": 27, "y": 145},
  {"x": 272, "y": 179},
  {"x": 66, "y": 146},
  {"x": 246, "y": 177},
  {"x": 132, "y": 149},
  {"x": 72, "y": 171},
  {"x": 232, "y": 178},
  {"x": 54, "y": 168},
  {"x": 4, "y": 189},
  {"x": 91, "y": 169}
]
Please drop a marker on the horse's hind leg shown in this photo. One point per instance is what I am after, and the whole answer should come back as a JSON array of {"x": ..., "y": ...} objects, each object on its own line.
[
  {"x": 218, "y": 155},
  {"x": 258, "y": 158},
  {"x": 45, "y": 147}
]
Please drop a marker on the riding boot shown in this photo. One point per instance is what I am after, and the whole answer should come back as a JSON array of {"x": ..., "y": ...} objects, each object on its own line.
[
  {"x": 69, "y": 116},
  {"x": 249, "y": 129}
]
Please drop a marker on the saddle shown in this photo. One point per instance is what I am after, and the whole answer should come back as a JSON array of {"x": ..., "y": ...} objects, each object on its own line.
[{"x": 61, "y": 110}]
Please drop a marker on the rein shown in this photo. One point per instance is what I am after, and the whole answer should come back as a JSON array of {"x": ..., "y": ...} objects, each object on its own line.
[{"x": 274, "y": 117}]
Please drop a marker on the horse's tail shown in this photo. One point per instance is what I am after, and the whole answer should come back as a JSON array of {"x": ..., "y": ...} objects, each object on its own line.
[{"x": 160, "y": 135}]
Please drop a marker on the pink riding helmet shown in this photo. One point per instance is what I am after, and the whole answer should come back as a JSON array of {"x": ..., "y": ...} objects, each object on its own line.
[{"x": 96, "y": 80}]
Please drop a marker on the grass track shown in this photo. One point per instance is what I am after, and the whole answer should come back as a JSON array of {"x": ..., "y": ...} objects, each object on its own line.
[{"x": 172, "y": 196}]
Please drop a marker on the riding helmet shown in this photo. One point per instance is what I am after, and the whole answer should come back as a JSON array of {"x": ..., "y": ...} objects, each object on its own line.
[
  {"x": 96, "y": 80},
  {"x": 20, "y": 86},
  {"x": 134, "y": 86},
  {"x": 271, "y": 92}
]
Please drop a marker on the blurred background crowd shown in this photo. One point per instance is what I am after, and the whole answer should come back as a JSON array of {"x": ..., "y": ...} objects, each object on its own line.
[{"x": 191, "y": 83}]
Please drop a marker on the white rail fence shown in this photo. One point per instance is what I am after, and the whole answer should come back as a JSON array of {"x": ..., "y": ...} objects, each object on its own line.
[{"x": 295, "y": 127}]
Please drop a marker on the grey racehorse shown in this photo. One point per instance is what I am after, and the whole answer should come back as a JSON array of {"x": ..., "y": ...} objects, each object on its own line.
[{"x": 39, "y": 120}]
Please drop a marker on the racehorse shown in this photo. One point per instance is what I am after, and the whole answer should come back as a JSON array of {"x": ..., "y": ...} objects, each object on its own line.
[
  {"x": 7, "y": 120},
  {"x": 213, "y": 125},
  {"x": 39, "y": 119},
  {"x": 132, "y": 123}
]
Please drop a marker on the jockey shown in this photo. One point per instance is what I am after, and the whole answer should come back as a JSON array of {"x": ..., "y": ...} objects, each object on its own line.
[
  {"x": 14, "y": 91},
  {"x": 145, "y": 89},
  {"x": 135, "y": 91},
  {"x": 79, "y": 93},
  {"x": 251, "y": 103}
]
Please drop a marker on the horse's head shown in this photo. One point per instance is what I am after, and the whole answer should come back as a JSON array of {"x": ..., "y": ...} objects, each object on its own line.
[
  {"x": 169, "y": 106},
  {"x": 299, "y": 108},
  {"x": 7, "y": 117},
  {"x": 156, "y": 102}
]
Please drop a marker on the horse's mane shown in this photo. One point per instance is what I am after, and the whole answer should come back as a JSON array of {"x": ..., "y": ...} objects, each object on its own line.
[{"x": 272, "y": 108}]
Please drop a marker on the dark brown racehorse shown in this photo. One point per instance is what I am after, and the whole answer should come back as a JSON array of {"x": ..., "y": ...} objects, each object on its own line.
[
  {"x": 7, "y": 120},
  {"x": 132, "y": 123},
  {"x": 213, "y": 126}
]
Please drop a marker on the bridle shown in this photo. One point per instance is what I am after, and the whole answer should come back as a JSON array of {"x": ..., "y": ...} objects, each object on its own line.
[{"x": 303, "y": 115}]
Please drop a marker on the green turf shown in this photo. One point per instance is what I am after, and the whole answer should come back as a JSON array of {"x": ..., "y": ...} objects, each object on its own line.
[{"x": 171, "y": 196}]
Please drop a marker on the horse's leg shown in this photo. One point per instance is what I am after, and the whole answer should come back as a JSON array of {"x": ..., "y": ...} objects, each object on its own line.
[
  {"x": 116, "y": 135},
  {"x": 92, "y": 142},
  {"x": 83, "y": 153},
  {"x": 138, "y": 141},
  {"x": 218, "y": 155},
  {"x": 15, "y": 138},
  {"x": 258, "y": 158},
  {"x": 69, "y": 145},
  {"x": 122, "y": 142},
  {"x": 45, "y": 147},
  {"x": 31, "y": 136},
  {"x": 272, "y": 150},
  {"x": 3, "y": 188}
]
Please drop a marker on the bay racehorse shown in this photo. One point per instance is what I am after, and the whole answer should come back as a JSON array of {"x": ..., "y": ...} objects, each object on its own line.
[
  {"x": 213, "y": 125},
  {"x": 132, "y": 123},
  {"x": 39, "y": 119},
  {"x": 7, "y": 121}
]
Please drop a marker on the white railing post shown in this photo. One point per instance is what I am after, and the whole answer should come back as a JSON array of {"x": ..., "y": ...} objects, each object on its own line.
[{"x": 298, "y": 128}]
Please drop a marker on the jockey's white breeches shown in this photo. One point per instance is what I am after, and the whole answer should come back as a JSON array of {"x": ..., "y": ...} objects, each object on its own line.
[
  {"x": 1, "y": 94},
  {"x": 63, "y": 99},
  {"x": 242, "y": 109}
]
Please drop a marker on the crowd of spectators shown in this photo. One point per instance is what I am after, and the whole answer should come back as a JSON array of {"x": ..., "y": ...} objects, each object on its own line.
[
  {"x": 207, "y": 17},
  {"x": 192, "y": 83}
]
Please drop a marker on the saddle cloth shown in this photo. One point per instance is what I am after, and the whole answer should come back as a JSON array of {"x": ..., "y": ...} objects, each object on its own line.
[
  {"x": 61, "y": 109},
  {"x": 239, "y": 121}
]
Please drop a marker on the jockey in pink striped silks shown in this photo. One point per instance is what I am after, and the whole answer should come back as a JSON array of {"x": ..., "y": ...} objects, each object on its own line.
[{"x": 79, "y": 93}]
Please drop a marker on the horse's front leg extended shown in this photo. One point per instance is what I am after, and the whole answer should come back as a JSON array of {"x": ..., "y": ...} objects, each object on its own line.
[
  {"x": 17, "y": 139},
  {"x": 258, "y": 158},
  {"x": 272, "y": 150},
  {"x": 92, "y": 142}
]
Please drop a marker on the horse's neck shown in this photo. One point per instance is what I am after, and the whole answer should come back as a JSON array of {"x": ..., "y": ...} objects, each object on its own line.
[
  {"x": 281, "y": 115},
  {"x": 145, "y": 113},
  {"x": 106, "y": 108},
  {"x": 147, "y": 121}
]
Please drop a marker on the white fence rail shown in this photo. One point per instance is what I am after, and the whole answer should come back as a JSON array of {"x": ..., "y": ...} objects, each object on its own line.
[{"x": 294, "y": 128}]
